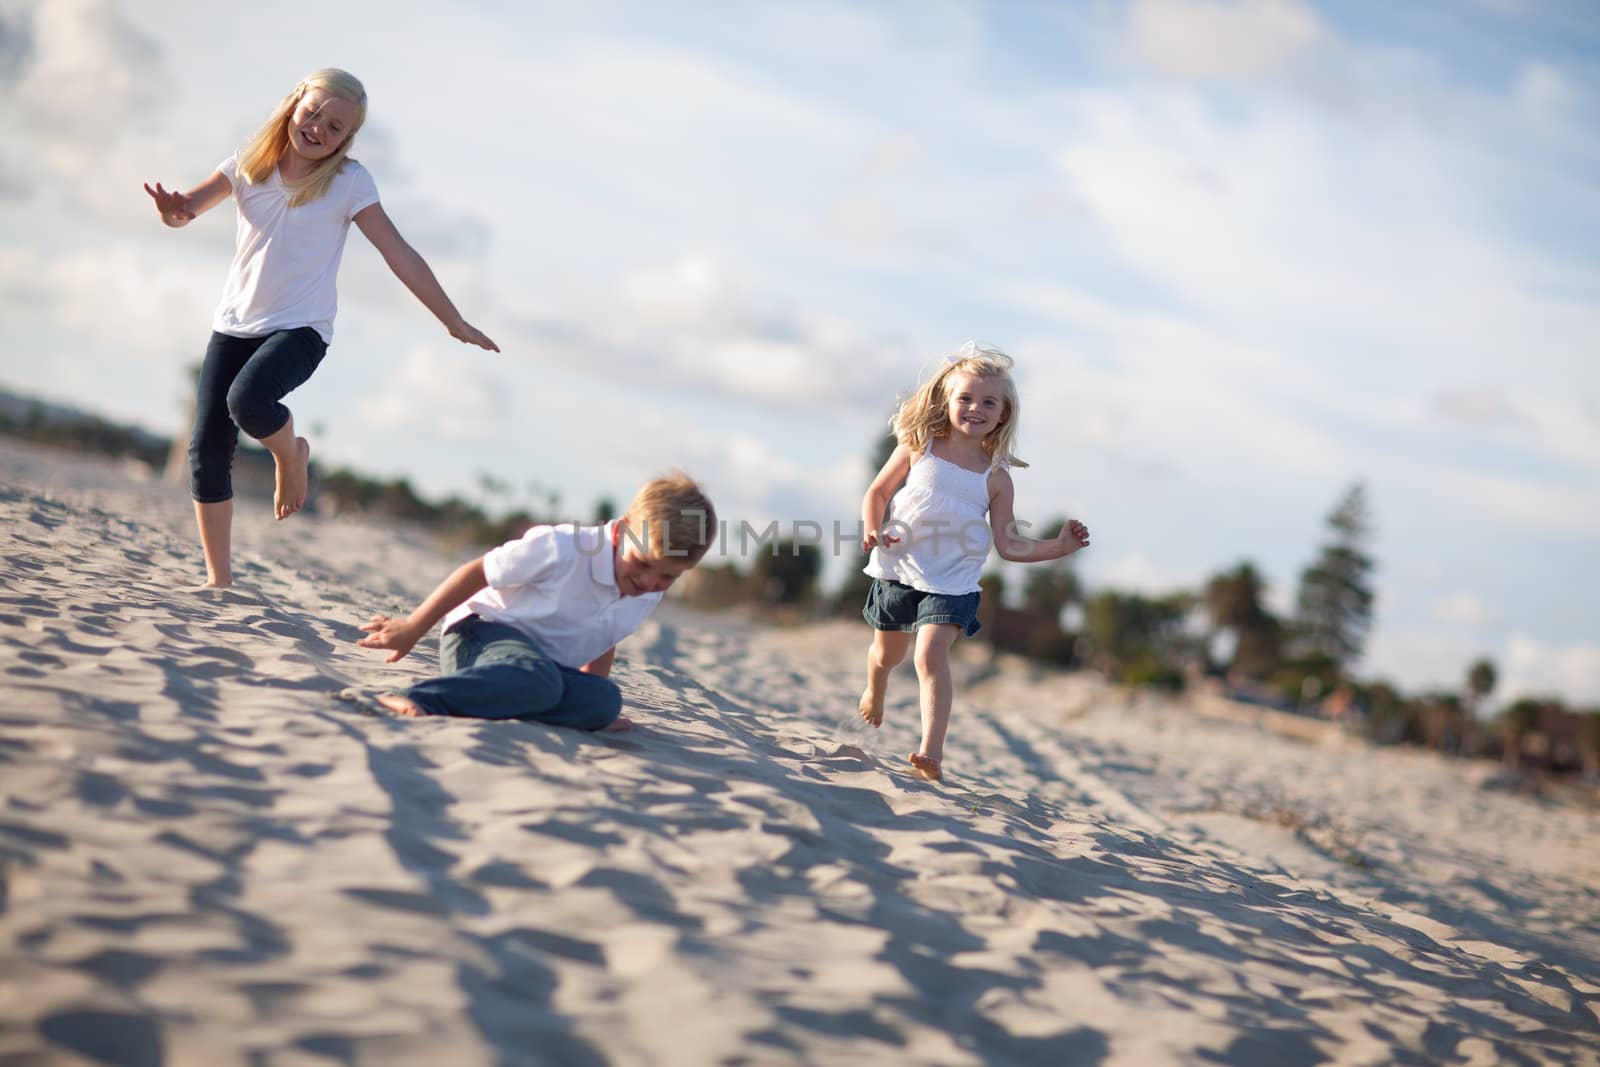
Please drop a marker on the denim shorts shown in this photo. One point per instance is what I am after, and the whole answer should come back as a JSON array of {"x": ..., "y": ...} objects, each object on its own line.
[{"x": 894, "y": 606}]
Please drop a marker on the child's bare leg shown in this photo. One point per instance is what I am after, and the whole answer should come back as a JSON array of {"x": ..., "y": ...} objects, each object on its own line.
[
  {"x": 293, "y": 456},
  {"x": 400, "y": 705},
  {"x": 888, "y": 648},
  {"x": 216, "y": 541},
  {"x": 617, "y": 725},
  {"x": 933, "y": 679}
]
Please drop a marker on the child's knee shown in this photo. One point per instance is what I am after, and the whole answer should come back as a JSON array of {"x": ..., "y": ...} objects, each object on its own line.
[
  {"x": 932, "y": 657},
  {"x": 607, "y": 705},
  {"x": 252, "y": 411},
  {"x": 881, "y": 657}
]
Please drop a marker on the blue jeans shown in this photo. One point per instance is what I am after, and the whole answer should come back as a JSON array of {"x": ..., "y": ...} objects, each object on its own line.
[
  {"x": 241, "y": 383},
  {"x": 493, "y": 671}
]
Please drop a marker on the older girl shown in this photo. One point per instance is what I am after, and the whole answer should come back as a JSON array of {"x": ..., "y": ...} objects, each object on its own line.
[{"x": 297, "y": 191}]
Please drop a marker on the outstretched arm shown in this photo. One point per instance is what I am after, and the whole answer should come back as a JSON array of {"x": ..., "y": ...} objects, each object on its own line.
[
  {"x": 409, "y": 266},
  {"x": 876, "y": 500},
  {"x": 399, "y": 635},
  {"x": 1010, "y": 544},
  {"x": 179, "y": 209}
]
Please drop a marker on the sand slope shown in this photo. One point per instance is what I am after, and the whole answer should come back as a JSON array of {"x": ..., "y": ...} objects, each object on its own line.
[{"x": 206, "y": 859}]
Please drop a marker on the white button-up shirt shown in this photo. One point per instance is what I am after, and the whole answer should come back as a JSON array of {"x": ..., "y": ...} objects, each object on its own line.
[{"x": 558, "y": 585}]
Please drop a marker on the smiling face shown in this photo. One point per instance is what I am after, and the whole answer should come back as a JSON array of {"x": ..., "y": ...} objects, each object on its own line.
[
  {"x": 975, "y": 406},
  {"x": 638, "y": 572},
  {"x": 320, "y": 123}
]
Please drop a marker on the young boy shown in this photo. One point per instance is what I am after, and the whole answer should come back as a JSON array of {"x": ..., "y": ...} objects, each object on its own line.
[{"x": 531, "y": 627}]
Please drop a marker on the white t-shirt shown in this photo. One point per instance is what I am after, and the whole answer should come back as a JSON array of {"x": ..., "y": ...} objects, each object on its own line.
[
  {"x": 941, "y": 517},
  {"x": 286, "y": 259},
  {"x": 558, "y": 585}
]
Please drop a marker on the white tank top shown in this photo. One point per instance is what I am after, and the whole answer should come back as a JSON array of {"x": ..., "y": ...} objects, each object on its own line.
[{"x": 941, "y": 518}]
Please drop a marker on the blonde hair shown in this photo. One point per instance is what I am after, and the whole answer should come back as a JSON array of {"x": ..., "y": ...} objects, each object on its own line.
[
  {"x": 925, "y": 414},
  {"x": 673, "y": 517},
  {"x": 268, "y": 147}
]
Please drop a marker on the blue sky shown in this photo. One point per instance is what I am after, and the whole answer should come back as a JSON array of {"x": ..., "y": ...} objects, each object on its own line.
[{"x": 1244, "y": 253}]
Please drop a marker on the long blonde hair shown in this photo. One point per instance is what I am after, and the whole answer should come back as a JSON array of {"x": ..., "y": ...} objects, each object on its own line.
[
  {"x": 924, "y": 415},
  {"x": 267, "y": 148}
]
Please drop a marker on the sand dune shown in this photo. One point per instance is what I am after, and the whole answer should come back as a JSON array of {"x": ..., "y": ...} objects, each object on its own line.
[{"x": 207, "y": 859}]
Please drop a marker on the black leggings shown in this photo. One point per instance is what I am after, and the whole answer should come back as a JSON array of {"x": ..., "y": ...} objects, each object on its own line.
[{"x": 241, "y": 383}]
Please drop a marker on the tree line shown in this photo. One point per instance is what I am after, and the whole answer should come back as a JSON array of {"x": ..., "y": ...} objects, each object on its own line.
[{"x": 1223, "y": 635}]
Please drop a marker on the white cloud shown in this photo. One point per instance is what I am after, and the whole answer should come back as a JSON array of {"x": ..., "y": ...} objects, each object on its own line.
[
  {"x": 1543, "y": 92},
  {"x": 1416, "y": 660},
  {"x": 691, "y": 325},
  {"x": 1536, "y": 668},
  {"x": 1308, "y": 291},
  {"x": 87, "y": 77},
  {"x": 89, "y": 74},
  {"x": 1136, "y": 573},
  {"x": 119, "y": 294},
  {"x": 1569, "y": 508},
  {"x": 1462, "y": 609},
  {"x": 89, "y": 99},
  {"x": 1362, "y": 248},
  {"x": 1221, "y": 39},
  {"x": 424, "y": 398},
  {"x": 1480, "y": 406},
  {"x": 1163, "y": 391}
]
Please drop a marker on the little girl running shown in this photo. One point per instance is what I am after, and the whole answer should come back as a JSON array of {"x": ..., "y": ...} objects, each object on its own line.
[
  {"x": 297, "y": 191},
  {"x": 956, "y": 437}
]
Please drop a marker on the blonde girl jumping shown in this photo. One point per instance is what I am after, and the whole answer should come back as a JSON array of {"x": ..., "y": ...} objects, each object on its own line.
[{"x": 297, "y": 191}]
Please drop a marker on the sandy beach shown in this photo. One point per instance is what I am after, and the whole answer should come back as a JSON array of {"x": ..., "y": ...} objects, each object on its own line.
[{"x": 206, "y": 858}]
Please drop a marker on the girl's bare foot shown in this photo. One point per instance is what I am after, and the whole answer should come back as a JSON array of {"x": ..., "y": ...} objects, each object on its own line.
[
  {"x": 400, "y": 705},
  {"x": 293, "y": 478},
  {"x": 617, "y": 725},
  {"x": 871, "y": 707},
  {"x": 926, "y": 766}
]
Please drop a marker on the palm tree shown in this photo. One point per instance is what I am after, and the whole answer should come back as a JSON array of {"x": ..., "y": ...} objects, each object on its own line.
[{"x": 1481, "y": 679}]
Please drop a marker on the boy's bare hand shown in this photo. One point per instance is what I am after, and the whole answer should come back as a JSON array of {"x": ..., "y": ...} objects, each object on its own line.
[
  {"x": 173, "y": 205},
  {"x": 397, "y": 635},
  {"x": 1074, "y": 535}
]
